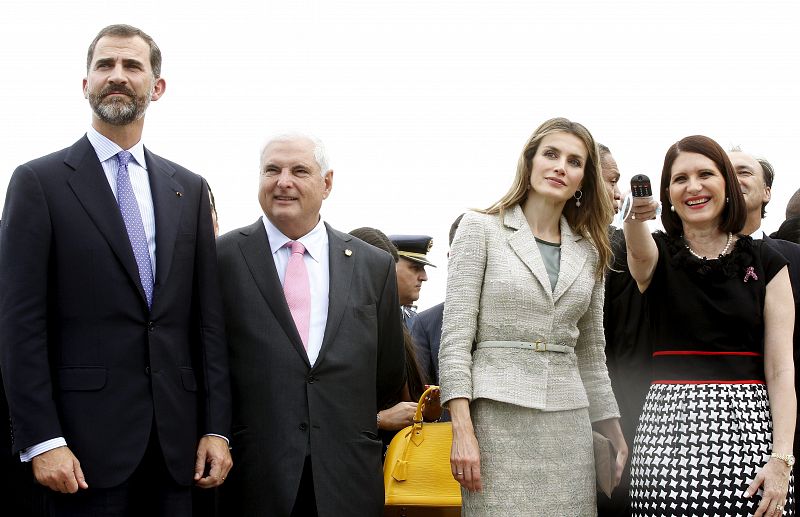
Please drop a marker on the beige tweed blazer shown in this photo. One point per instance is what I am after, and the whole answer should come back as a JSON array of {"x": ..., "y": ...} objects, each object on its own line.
[{"x": 498, "y": 290}]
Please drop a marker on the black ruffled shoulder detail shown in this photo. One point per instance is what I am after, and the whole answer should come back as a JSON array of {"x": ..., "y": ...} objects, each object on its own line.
[{"x": 734, "y": 264}]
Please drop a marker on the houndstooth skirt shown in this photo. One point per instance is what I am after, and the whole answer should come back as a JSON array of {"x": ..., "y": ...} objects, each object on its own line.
[
  {"x": 533, "y": 463},
  {"x": 697, "y": 449}
]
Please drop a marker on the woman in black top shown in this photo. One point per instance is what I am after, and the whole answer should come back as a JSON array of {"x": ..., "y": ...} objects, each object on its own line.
[{"x": 718, "y": 421}]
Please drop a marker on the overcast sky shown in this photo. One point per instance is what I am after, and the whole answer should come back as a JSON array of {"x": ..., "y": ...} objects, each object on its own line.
[{"x": 423, "y": 105}]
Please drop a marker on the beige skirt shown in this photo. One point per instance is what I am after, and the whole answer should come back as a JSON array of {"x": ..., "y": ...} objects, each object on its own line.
[{"x": 533, "y": 463}]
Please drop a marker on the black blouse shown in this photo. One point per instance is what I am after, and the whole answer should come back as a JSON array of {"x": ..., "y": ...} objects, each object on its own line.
[{"x": 708, "y": 315}]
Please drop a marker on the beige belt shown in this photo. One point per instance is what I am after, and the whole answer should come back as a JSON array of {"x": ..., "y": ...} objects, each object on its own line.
[{"x": 536, "y": 346}]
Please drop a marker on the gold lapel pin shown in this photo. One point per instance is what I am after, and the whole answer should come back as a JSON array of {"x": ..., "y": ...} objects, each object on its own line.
[
  {"x": 179, "y": 194},
  {"x": 348, "y": 252}
]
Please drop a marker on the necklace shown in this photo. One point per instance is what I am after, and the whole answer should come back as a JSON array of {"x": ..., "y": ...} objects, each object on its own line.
[{"x": 721, "y": 253}]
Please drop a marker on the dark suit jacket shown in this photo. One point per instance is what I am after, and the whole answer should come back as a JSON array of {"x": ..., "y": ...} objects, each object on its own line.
[
  {"x": 82, "y": 355},
  {"x": 791, "y": 252},
  {"x": 284, "y": 409},
  {"x": 427, "y": 333},
  {"x": 18, "y": 492}
]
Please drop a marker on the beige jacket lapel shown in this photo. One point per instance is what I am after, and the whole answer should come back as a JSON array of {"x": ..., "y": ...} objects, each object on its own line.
[
  {"x": 573, "y": 253},
  {"x": 573, "y": 257},
  {"x": 524, "y": 245}
]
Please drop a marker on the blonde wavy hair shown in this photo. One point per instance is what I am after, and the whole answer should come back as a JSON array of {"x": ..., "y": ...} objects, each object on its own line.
[{"x": 592, "y": 218}]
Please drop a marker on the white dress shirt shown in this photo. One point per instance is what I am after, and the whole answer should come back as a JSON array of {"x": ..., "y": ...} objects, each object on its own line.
[
  {"x": 137, "y": 169},
  {"x": 317, "y": 264},
  {"x": 758, "y": 234}
]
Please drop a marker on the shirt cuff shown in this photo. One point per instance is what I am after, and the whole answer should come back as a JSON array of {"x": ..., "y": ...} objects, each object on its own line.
[
  {"x": 220, "y": 436},
  {"x": 40, "y": 448}
]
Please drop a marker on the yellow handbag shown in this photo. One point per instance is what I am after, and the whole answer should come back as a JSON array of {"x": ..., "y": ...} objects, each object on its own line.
[{"x": 416, "y": 471}]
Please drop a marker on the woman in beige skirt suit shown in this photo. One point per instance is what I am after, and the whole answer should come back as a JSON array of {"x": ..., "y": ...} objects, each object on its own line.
[{"x": 522, "y": 362}]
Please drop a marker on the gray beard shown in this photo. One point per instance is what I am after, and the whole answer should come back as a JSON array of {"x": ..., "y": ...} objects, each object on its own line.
[{"x": 118, "y": 112}]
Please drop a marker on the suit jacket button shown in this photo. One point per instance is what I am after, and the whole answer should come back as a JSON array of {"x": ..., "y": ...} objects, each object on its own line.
[
  {"x": 303, "y": 426},
  {"x": 147, "y": 370},
  {"x": 311, "y": 379},
  {"x": 151, "y": 326}
]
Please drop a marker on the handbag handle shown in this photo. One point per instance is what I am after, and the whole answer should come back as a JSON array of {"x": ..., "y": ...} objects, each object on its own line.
[
  {"x": 421, "y": 405},
  {"x": 415, "y": 435}
]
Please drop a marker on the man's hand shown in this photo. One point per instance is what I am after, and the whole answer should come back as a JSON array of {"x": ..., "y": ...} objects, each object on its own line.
[
  {"x": 212, "y": 451},
  {"x": 58, "y": 469}
]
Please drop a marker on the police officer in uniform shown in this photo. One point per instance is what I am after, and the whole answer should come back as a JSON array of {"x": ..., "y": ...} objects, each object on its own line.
[{"x": 413, "y": 250}]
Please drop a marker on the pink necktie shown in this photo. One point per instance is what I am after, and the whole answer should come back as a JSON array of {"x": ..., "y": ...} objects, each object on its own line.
[{"x": 297, "y": 290}]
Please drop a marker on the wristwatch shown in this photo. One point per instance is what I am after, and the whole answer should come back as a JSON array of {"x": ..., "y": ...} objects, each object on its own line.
[{"x": 786, "y": 458}]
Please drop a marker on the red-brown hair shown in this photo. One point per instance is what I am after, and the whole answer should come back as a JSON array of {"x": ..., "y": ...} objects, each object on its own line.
[{"x": 734, "y": 214}]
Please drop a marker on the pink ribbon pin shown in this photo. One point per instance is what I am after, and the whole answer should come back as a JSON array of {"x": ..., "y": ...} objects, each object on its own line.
[{"x": 750, "y": 273}]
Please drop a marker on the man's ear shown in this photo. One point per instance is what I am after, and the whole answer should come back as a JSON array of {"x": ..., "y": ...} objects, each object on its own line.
[
  {"x": 328, "y": 179},
  {"x": 159, "y": 87}
]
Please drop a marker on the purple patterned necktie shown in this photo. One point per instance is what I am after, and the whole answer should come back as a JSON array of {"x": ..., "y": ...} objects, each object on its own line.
[{"x": 133, "y": 222}]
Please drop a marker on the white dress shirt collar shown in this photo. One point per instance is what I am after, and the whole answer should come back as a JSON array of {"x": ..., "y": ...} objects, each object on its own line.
[
  {"x": 106, "y": 152},
  {"x": 317, "y": 266},
  {"x": 315, "y": 241},
  {"x": 105, "y": 148},
  {"x": 758, "y": 234}
]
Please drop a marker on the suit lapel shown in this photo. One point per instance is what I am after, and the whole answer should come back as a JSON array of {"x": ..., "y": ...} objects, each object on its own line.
[
  {"x": 573, "y": 257},
  {"x": 258, "y": 257},
  {"x": 524, "y": 245},
  {"x": 167, "y": 205},
  {"x": 89, "y": 183},
  {"x": 340, "y": 272}
]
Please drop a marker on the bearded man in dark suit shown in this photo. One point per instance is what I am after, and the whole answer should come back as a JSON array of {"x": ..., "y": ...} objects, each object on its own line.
[{"x": 113, "y": 346}]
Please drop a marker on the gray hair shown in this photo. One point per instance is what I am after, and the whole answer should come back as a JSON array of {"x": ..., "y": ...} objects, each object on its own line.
[{"x": 320, "y": 155}]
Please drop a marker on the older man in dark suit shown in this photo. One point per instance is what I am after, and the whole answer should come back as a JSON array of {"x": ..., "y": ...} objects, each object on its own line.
[
  {"x": 113, "y": 350},
  {"x": 755, "y": 179},
  {"x": 316, "y": 348}
]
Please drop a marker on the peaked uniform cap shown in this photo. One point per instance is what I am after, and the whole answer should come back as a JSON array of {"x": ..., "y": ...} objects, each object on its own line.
[{"x": 413, "y": 247}]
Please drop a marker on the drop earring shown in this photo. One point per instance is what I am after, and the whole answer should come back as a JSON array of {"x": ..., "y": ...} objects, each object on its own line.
[{"x": 578, "y": 196}]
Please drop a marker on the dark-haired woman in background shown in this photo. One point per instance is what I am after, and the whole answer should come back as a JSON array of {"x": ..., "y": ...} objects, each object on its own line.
[{"x": 718, "y": 421}]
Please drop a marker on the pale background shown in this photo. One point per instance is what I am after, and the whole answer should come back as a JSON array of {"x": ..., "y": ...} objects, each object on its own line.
[{"x": 424, "y": 105}]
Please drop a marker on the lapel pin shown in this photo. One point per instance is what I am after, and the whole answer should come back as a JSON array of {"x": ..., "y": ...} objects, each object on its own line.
[
  {"x": 179, "y": 194},
  {"x": 348, "y": 252}
]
